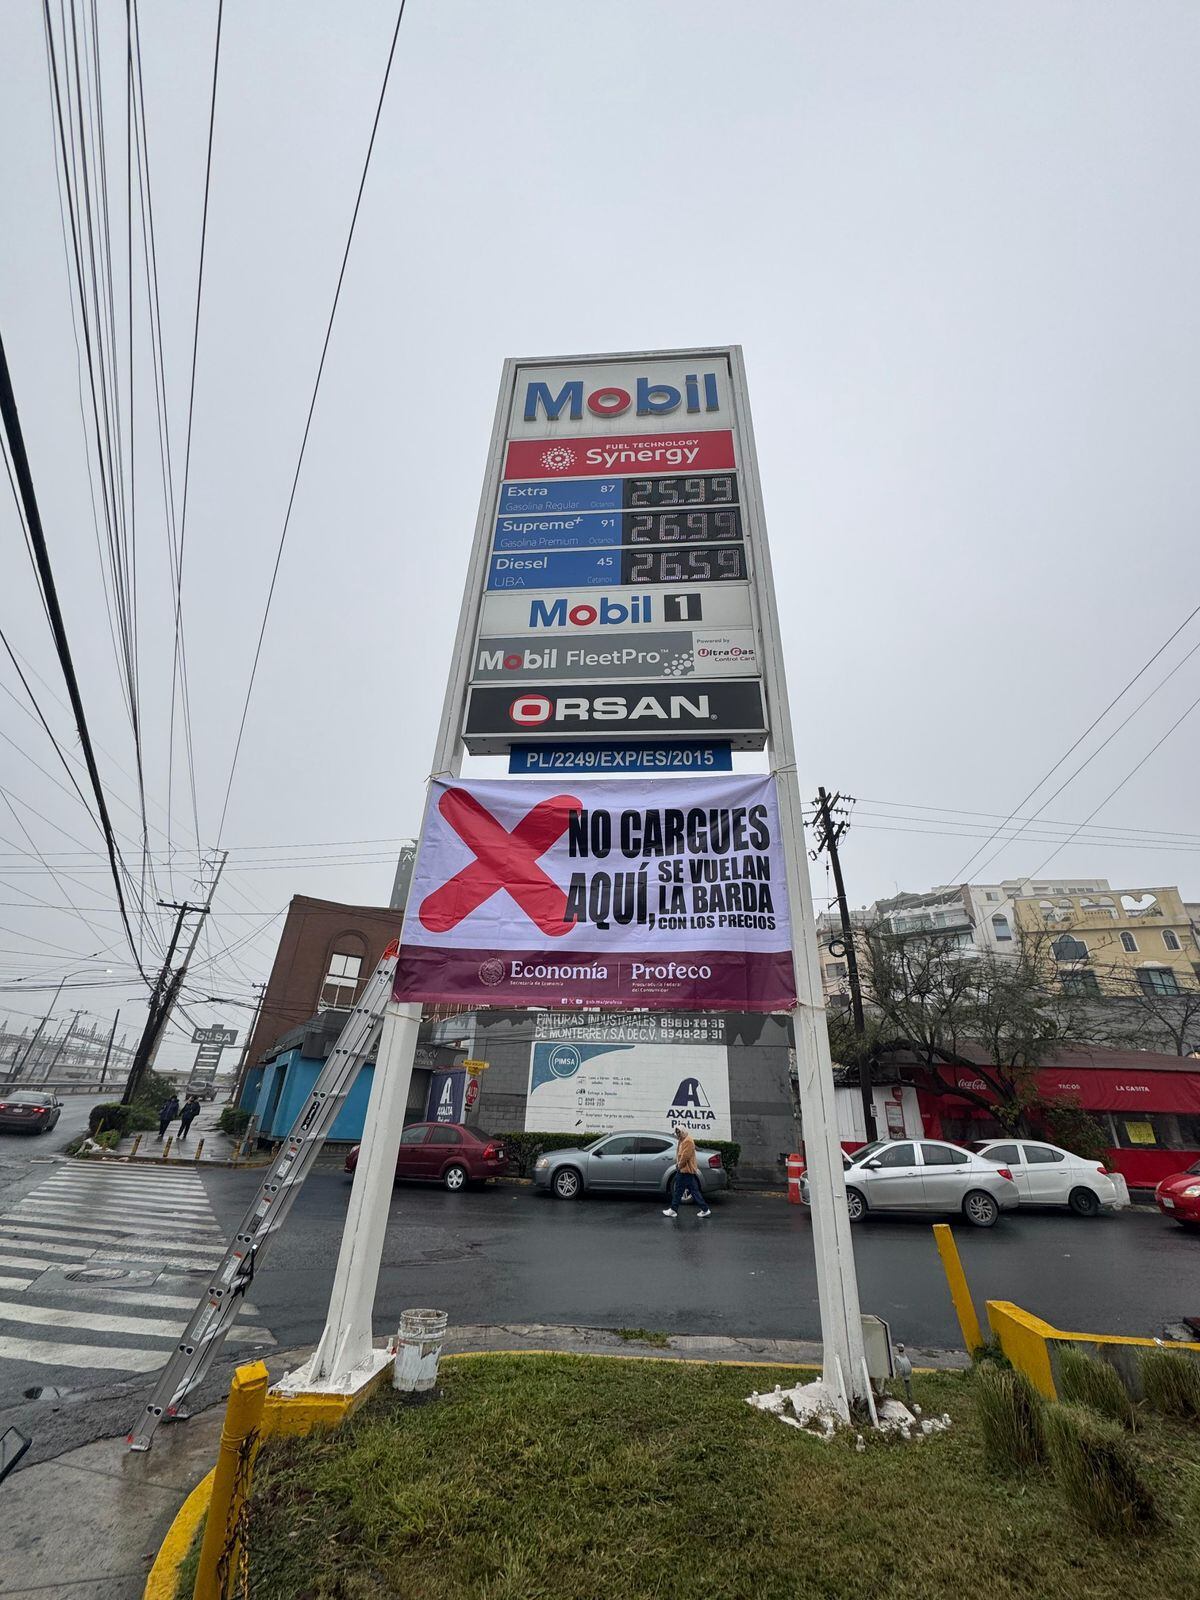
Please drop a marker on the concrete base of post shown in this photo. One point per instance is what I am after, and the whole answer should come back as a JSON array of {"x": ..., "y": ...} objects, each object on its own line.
[{"x": 346, "y": 1384}]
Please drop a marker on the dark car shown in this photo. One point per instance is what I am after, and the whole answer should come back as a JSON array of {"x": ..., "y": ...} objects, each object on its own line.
[
  {"x": 31, "y": 1109},
  {"x": 445, "y": 1152},
  {"x": 1179, "y": 1197}
]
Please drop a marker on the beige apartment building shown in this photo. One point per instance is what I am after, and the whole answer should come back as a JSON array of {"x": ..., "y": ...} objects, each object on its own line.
[{"x": 1114, "y": 941}]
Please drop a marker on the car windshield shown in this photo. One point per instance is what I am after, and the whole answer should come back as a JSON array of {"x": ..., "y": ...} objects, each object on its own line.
[
  {"x": 860, "y": 1155},
  {"x": 26, "y": 1099},
  {"x": 1194, "y": 1172}
]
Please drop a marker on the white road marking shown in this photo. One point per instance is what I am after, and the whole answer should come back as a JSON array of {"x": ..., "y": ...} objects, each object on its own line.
[
  {"x": 93, "y": 1216},
  {"x": 64, "y": 1211},
  {"x": 15, "y": 1283}
]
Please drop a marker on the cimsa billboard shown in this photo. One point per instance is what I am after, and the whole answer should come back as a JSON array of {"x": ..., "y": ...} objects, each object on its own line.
[{"x": 615, "y": 559}]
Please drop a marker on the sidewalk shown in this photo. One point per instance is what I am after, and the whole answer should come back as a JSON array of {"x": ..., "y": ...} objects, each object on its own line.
[
  {"x": 89, "y": 1522},
  {"x": 218, "y": 1148}
]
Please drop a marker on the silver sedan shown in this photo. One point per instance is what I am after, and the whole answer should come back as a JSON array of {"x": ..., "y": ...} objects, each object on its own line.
[
  {"x": 639, "y": 1160},
  {"x": 927, "y": 1175}
]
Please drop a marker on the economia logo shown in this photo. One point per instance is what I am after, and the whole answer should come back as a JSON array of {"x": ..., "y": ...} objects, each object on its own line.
[{"x": 558, "y": 458}]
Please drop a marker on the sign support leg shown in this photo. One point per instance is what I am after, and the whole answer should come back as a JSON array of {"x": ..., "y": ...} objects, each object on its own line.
[{"x": 345, "y": 1356}]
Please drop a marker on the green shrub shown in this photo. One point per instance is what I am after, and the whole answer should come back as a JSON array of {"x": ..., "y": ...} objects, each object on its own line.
[
  {"x": 525, "y": 1147},
  {"x": 109, "y": 1139},
  {"x": 234, "y": 1120},
  {"x": 155, "y": 1090},
  {"x": 1084, "y": 1382},
  {"x": 1011, "y": 1415},
  {"x": 1098, "y": 1472},
  {"x": 109, "y": 1114},
  {"x": 142, "y": 1119},
  {"x": 1171, "y": 1384}
]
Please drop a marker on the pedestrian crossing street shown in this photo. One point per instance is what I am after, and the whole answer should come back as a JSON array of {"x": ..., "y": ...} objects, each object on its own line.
[{"x": 102, "y": 1265}]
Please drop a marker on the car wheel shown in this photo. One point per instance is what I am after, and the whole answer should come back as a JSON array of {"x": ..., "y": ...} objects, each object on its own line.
[
  {"x": 455, "y": 1178},
  {"x": 1084, "y": 1203},
  {"x": 855, "y": 1205},
  {"x": 567, "y": 1184},
  {"x": 980, "y": 1209}
]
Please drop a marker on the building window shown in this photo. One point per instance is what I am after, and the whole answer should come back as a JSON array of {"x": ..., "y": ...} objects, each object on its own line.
[
  {"x": 1128, "y": 942},
  {"x": 341, "y": 982},
  {"x": 1171, "y": 939},
  {"x": 1080, "y": 983},
  {"x": 835, "y": 971},
  {"x": 1158, "y": 980},
  {"x": 1001, "y": 928},
  {"x": 992, "y": 894},
  {"x": 1067, "y": 948}
]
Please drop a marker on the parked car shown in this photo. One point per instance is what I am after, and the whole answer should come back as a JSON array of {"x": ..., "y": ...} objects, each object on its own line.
[
  {"x": 448, "y": 1153},
  {"x": 1179, "y": 1196},
  {"x": 1047, "y": 1175},
  {"x": 925, "y": 1175},
  {"x": 34, "y": 1110},
  {"x": 643, "y": 1159}
]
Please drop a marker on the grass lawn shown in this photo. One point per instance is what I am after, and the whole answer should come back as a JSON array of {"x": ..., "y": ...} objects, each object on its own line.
[{"x": 563, "y": 1478}]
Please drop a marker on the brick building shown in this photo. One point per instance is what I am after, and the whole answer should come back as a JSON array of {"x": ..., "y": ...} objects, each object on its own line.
[{"x": 326, "y": 952}]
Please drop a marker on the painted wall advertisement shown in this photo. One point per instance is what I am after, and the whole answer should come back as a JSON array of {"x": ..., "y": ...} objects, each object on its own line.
[
  {"x": 594, "y": 1088},
  {"x": 668, "y": 894}
]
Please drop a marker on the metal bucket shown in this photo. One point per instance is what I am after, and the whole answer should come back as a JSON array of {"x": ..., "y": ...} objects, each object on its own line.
[{"x": 418, "y": 1346}]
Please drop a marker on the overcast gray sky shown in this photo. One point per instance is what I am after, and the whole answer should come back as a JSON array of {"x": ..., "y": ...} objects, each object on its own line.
[{"x": 959, "y": 244}]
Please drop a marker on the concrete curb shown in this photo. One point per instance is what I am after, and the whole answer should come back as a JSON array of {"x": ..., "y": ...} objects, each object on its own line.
[{"x": 163, "y": 1577}]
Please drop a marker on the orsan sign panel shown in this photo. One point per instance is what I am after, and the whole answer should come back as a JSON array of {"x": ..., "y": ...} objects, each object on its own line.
[{"x": 616, "y": 504}]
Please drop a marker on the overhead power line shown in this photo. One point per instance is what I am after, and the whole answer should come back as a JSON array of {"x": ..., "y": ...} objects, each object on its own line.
[
  {"x": 312, "y": 405},
  {"x": 959, "y": 876},
  {"x": 20, "y": 462}
]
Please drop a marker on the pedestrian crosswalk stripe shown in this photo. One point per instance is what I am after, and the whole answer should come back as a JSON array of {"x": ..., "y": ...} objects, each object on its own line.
[
  {"x": 200, "y": 1259},
  {"x": 94, "y": 1321},
  {"x": 56, "y": 1209},
  {"x": 93, "y": 1238},
  {"x": 81, "y": 1218}
]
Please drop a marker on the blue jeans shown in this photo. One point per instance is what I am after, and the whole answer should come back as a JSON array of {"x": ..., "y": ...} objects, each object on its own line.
[{"x": 688, "y": 1182}]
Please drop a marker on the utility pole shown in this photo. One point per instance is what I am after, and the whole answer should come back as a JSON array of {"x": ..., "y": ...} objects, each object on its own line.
[
  {"x": 37, "y": 1032},
  {"x": 63, "y": 1042},
  {"x": 155, "y": 1011},
  {"x": 243, "y": 1068},
  {"x": 828, "y": 835},
  {"x": 166, "y": 989},
  {"x": 108, "y": 1050},
  {"x": 176, "y": 983}
]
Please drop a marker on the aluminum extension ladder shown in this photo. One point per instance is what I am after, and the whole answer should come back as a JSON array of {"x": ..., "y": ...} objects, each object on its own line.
[{"x": 218, "y": 1308}]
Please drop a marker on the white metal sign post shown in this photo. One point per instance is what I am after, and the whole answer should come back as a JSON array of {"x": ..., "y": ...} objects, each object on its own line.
[{"x": 621, "y": 500}]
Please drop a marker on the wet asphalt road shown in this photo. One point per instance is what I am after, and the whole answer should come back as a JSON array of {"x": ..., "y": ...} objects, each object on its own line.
[{"x": 511, "y": 1254}]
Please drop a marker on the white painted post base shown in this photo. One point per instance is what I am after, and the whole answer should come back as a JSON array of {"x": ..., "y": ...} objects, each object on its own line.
[{"x": 345, "y": 1357}]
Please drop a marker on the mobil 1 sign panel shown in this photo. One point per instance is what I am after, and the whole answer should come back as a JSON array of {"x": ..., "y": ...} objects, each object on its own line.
[
  {"x": 618, "y": 568},
  {"x": 664, "y": 893}
]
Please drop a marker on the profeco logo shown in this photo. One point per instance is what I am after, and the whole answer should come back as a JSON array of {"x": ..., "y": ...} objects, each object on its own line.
[
  {"x": 649, "y": 399},
  {"x": 534, "y": 710}
]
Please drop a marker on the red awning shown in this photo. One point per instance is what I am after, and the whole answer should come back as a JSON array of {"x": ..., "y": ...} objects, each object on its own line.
[{"x": 1123, "y": 1089}]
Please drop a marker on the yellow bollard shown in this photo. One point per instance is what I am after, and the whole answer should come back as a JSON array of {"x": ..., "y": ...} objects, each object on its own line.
[
  {"x": 231, "y": 1482},
  {"x": 167, "y": 1147},
  {"x": 137, "y": 1139},
  {"x": 199, "y": 1151},
  {"x": 956, "y": 1278}
]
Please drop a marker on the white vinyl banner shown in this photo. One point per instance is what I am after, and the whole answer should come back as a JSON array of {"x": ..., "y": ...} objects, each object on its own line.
[
  {"x": 598, "y": 1088},
  {"x": 667, "y": 893}
]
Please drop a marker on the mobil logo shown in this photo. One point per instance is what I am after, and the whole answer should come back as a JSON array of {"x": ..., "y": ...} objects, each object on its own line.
[
  {"x": 647, "y": 397},
  {"x": 606, "y": 611}
]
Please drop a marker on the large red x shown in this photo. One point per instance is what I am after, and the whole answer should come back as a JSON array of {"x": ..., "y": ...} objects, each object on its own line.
[{"x": 503, "y": 861}]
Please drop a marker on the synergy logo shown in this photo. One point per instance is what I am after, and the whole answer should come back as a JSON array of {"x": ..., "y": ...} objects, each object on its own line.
[
  {"x": 691, "y": 1106},
  {"x": 649, "y": 400}
]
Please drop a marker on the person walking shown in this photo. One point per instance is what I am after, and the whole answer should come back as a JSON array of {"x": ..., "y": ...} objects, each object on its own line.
[
  {"x": 191, "y": 1110},
  {"x": 686, "y": 1177},
  {"x": 167, "y": 1112}
]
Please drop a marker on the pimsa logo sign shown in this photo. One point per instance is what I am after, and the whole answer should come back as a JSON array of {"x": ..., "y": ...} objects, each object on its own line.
[{"x": 662, "y": 894}]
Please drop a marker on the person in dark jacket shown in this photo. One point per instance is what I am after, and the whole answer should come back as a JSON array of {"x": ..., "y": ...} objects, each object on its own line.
[
  {"x": 191, "y": 1110},
  {"x": 167, "y": 1112}
]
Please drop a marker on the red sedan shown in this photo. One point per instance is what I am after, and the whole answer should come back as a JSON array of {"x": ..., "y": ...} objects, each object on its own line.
[
  {"x": 447, "y": 1153},
  {"x": 1179, "y": 1196}
]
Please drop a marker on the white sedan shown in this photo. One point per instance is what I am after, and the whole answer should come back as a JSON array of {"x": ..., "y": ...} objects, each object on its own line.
[{"x": 1046, "y": 1175}]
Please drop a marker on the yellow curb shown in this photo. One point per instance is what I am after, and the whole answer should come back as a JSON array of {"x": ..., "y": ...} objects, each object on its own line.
[
  {"x": 675, "y": 1361},
  {"x": 163, "y": 1577}
]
